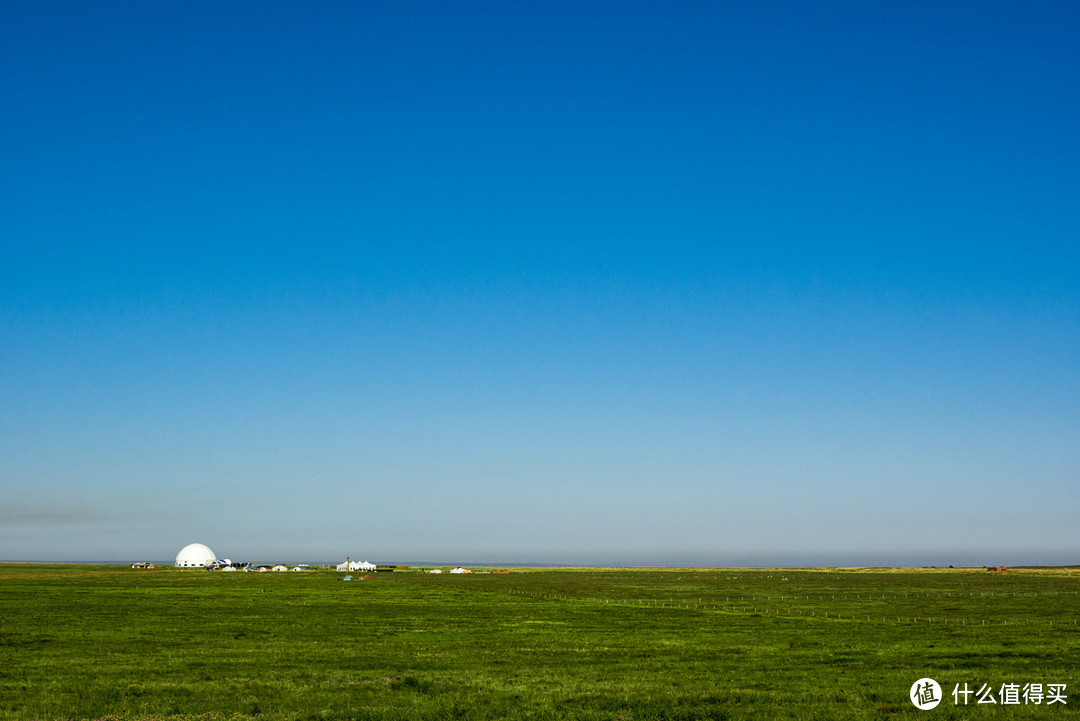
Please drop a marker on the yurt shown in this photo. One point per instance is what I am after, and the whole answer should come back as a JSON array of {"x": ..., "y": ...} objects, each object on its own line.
[{"x": 195, "y": 555}]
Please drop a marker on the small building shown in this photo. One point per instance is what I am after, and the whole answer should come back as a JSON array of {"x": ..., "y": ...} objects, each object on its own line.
[{"x": 279, "y": 568}]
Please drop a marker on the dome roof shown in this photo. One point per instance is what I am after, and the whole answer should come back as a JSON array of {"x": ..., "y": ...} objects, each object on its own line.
[{"x": 195, "y": 554}]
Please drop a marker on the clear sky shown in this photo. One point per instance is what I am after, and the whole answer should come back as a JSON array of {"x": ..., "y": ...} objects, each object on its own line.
[{"x": 620, "y": 282}]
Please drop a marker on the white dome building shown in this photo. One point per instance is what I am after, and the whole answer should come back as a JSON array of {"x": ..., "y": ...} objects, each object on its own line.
[{"x": 195, "y": 555}]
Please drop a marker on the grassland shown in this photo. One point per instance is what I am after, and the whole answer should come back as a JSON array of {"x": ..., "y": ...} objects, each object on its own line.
[{"x": 107, "y": 642}]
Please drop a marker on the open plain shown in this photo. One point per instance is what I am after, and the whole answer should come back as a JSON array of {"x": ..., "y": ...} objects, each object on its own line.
[{"x": 93, "y": 642}]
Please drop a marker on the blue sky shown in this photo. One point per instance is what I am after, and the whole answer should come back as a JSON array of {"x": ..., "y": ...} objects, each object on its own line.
[{"x": 585, "y": 283}]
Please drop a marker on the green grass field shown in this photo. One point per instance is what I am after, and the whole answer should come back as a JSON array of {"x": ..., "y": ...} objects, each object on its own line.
[{"x": 108, "y": 642}]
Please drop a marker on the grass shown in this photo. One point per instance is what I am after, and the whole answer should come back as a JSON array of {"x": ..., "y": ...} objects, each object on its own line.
[{"x": 100, "y": 642}]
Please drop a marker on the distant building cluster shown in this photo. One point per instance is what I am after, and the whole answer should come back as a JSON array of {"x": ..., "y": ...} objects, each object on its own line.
[{"x": 198, "y": 555}]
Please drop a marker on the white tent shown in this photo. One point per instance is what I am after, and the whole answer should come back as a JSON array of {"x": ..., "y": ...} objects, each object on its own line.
[
  {"x": 356, "y": 566},
  {"x": 195, "y": 555},
  {"x": 459, "y": 569}
]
